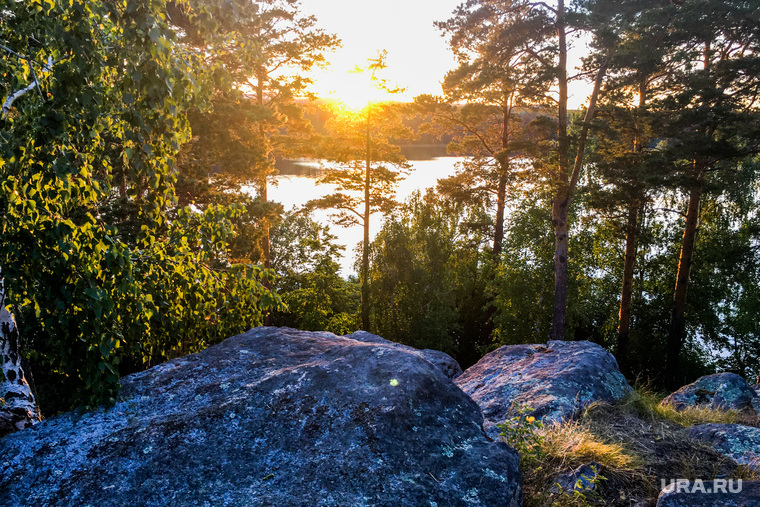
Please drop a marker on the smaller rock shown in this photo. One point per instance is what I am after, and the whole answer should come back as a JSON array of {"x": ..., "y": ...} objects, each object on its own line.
[
  {"x": 556, "y": 381},
  {"x": 717, "y": 493},
  {"x": 740, "y": 443},
  {"x": 584, "y": 479},
  {"x": 727, "y": 391},
  {"x": 444, "y": 362}
]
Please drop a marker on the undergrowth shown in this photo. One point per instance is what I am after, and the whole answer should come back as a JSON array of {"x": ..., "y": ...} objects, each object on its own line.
[{"x": 637, "y": 442}]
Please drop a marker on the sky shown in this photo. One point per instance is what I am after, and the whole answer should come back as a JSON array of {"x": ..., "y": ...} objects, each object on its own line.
[{"x": 418, "y": 56}]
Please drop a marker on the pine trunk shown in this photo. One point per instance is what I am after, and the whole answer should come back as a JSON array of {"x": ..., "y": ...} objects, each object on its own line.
[
  {"x": 265, "y": 241},
  {"x": 631, "y": 243},
  {"x": 501, "y": 199},
  {"x": 564, "y": 196},
  {"x": 561, "y": 201},
  {"x": 624, "y": 319},
  {"x": 559, "y": 219},
  {"x": 365, "y": 246},
  {"x": 685, "y": 259},
  {"x": 501, "y": 190},
  {"x": 263, "y": 184},
  {"x": 18, "y": 410}
]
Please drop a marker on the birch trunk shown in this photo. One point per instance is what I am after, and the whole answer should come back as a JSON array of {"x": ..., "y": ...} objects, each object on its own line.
[{"x": 18, "y": 410}]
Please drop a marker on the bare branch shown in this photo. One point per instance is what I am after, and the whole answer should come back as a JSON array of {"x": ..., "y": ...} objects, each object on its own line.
[
  {"x": 9, "y": 50},
  {"x": 672, "y": 211},
  {"x": 37, "y": 83},
  {"x": 544, "y": 5}
]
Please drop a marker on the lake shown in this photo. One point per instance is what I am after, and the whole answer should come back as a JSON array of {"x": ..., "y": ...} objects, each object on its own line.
[{"x": 297, "y": 183}]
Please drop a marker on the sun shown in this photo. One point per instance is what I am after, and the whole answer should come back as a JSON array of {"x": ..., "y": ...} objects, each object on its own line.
[{"x": 352, "y": 89}]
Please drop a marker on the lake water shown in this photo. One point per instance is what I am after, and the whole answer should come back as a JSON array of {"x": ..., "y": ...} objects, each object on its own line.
[{"x": 297, "y": 183}]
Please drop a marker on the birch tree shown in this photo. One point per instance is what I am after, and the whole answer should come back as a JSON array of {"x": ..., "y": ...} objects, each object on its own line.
[
  {"x": 101, "y": 298},
  {"x": 18, "y": 406}
]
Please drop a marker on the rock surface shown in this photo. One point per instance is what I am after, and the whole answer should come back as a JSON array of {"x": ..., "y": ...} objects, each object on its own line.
[
  {"x": 271, "y": 417},
  {"x": 444, "y": 362},
  {"x": 556, "y": 380},
  {"x": 583, "y": 479},
  {"x": 726, "y": 391},
  {"x": 740, "y": 443},
  {"x": 719, "y": 493}
]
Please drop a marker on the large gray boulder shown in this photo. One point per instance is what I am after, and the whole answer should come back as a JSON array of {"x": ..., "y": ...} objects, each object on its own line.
[
  {"x": 444, "y": 362},
  {"x": 556, "y": 380},
  {"x": 718, "y": 493},
  {"x": 272, "y": 417},
  {"x": 726, "y": 391},
  {"x": 735, "y": 441}
]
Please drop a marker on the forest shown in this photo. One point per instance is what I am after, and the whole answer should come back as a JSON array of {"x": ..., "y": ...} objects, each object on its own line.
[{"x": 139, "y": 139}]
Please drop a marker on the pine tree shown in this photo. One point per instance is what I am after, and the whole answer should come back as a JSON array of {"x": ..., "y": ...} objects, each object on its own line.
[
  {"x": 710, "y": 119},
  {"x": 502, "y": 77},
  {"x": 368, "y": 168}
]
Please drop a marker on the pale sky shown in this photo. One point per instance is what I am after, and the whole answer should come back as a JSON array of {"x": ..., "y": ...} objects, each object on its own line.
[{"x": 418, "y": 56}]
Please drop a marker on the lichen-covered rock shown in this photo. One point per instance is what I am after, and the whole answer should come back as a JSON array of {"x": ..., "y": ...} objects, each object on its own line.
[
  {"x": 556, "y": 380},
  {"x": 272, "y": 417},
  {"x": 718, "y": 493},
  {"x": 726, "y": 391},
  {"x": 444, "y": 362},
  {"x": 735, "y": 441}
]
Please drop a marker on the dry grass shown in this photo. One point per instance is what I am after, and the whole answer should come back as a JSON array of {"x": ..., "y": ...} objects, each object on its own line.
[
  {"x": 574, "y": 444},
  {"x": 692, "y": 416},
  {"x": 649, "y": 404},
  {"x": 565, "y": 447}
]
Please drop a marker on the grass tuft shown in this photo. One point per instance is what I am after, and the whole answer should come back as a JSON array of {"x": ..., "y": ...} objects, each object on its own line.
[
  {"x": 649, "y": 405},
  {"x": 574, "y": 444}
]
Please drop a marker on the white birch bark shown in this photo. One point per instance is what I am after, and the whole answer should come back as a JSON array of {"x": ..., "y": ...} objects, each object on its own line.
[{"x": 18, "y": 408}]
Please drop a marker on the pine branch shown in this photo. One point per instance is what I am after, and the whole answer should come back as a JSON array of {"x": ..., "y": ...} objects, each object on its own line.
[{"x": 584, "y": 130}]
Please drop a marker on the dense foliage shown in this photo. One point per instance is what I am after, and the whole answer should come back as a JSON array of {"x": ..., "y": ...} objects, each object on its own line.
[{"x": 107, "y": 274}]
